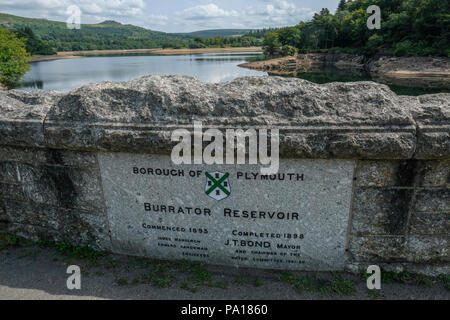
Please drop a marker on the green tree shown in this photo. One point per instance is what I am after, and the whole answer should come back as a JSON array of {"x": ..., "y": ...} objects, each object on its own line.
[
  {"x": 289, "y": 36},
  {"x": 33, "y": 44},
  {"x": 288, "y": 50},
  {"x": 271, "y": 44},
  {"x": 341, "y": 5},
  {"x": 13, "y": 59}
]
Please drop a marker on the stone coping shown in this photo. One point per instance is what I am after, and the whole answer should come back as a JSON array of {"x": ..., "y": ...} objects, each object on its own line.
[{"x": 358, "y": 120}]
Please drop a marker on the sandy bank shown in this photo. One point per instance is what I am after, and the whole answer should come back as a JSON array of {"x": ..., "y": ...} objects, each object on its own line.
[
  {"x": 80, "y": 54},
  {"x": 52, "y": 57},
  {"x": 206, "y": 50}
]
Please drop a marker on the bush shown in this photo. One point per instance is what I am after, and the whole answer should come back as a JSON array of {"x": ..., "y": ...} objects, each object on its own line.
[
  {"x": 374, "y": 42},
  {"x": 288, "y": 51},
  {"x": 13, "y": 59},
  {"x": 405, "y": 48},
  {"x": 271, "y": 44}
]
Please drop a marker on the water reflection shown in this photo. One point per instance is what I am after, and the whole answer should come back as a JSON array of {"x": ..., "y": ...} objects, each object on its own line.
[
  {"x": 333, "y": 74},
  {"x": 34, "y": 84},
  {"x": 64, "y": 75}
]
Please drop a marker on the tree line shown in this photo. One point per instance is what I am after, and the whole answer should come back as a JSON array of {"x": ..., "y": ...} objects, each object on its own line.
[
  {"x": 408, "y": 27},
  {"x": 214, "y": 42},
  {"x": 33, "y": 44}
]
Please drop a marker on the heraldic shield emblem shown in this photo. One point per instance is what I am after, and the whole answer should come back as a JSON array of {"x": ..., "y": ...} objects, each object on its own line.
[{"x": 217, "y": 185}]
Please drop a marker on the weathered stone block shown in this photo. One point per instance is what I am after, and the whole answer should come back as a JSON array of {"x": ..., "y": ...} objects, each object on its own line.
[
  {"x": 379, "y": 173},
  {"x": 22, "y": 133},
  {"x": 8, "y": 172},
  {"x": 34, "y": 156},
  {"x": 66, "y": 187},
  {"x": 417, "y": 249},
  {"x": 429, "y": 223},
  {"x": 380, "y": 211},
  {"x": 331, "y": 123},
  {"x": 433, "y": 200},
  {"x": 34, "y": 233},
  {"x": 74, "y": 227},
  {"x": 433, "y": 145},
  {"x": 41, "y": 215},
  {"x": 378, "y": 248},
  {"x": 428, "y": 248},
  {"x": 337, "y": 143},
  {"x": 12, "y": 191},
  {"x": 3, "y": 217},
  {"x": 434, "y": 174}
]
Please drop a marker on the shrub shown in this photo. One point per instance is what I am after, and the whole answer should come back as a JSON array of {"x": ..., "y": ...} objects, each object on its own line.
[
  {"x": 405, "y": 48},
  {"x": 288, "y": 51},
  {"x": 13, "y": 59}
]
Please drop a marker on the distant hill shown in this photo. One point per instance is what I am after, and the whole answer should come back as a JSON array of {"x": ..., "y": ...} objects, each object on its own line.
[
  {"x": 215, "y": 33},
  {"x": 110, "y": 34},
  {"x": 105, "y": 35}
]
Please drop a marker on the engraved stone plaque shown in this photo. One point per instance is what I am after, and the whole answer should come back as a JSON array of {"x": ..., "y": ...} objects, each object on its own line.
[{"x": 229, "y": 214}]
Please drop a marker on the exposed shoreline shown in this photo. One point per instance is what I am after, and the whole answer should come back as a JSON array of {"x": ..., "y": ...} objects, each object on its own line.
[
  {"x": 206, "y": 50},
  {"x": 430, "y": 72},
  {"x": 81, "y": 54}
]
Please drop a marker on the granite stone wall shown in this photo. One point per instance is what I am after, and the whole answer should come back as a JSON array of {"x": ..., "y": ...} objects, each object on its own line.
[
  {"x": 51, "y": 188},
  {"x": 54, "y": 195},
  {"x": 401, "y": 214}
]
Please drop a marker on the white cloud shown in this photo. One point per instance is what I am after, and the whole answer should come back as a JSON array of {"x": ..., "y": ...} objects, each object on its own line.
[
  {"x": 276, "y": 13},
  {"x": 207, "y": 11},
  {"x": 175, "y": 16},
  {"x": 157, "y": 19},
  {"x": 91, "y": 9},
  {"x": 268, "y": 13}
]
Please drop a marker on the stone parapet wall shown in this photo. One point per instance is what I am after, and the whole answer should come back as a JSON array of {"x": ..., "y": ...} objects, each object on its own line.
[
  {"x": 51, "y": 186},
  {"x": 53, "y": 194},
  {"x": 401, "y": 213}
]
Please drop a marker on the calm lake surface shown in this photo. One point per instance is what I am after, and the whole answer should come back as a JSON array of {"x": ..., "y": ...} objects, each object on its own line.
[
  {"x": 65, "y": 75},
  {"x": 333, "y": 74},
  {"x": 69, "y": 74}
]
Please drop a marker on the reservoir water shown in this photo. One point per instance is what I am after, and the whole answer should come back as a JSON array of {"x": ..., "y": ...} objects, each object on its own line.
[{"x": 69, "y": 74}]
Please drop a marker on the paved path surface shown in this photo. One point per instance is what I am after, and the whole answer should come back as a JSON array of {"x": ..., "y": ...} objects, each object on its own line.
[{"x": 40, "y": 273}]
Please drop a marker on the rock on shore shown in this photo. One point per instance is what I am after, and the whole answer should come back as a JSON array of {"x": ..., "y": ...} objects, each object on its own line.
[
  {"x": 429, "y": 72},
  {"x": 302, "y": 62}
]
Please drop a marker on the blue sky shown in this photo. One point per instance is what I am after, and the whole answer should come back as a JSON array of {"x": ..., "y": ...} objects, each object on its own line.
[{"x": 176, "y": 15}]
